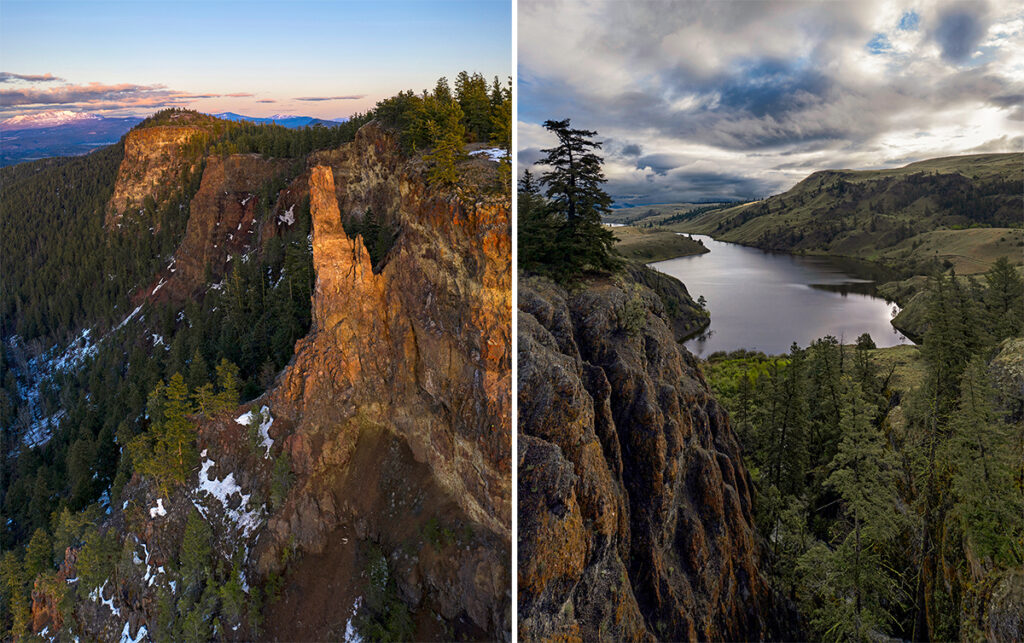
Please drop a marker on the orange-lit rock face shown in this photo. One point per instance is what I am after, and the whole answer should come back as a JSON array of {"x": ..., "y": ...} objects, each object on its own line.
[
  {"x": 154, "y": 158},
  {"x": 46, "y": 608},
  {"x": 393, "y": 416},
  {"x": 419, "y": 350}
]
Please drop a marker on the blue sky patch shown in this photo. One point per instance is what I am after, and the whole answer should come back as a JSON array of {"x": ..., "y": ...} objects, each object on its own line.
[
  {"x": 879, "y": 44},
  {"x": 909, "y": 21}
]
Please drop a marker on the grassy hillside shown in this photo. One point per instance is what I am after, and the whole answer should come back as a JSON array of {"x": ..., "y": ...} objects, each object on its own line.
[
  {"x": 654, "y": 244},
  {"x": 961, "y": 211},
  {"x": 658, "y": 214}
]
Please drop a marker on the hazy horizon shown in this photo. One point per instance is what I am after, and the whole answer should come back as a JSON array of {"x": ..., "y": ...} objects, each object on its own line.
[{"x": 321, "y": 59}]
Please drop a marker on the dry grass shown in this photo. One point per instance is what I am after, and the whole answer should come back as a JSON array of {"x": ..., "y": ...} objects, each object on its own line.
[{"x": 654, "y": 244}]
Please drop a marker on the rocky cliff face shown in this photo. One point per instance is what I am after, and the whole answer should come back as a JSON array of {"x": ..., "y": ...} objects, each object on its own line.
[
  {"x": 416, "y": 356},
  {"x": 393, "y": 417},
  {"x": 222, "y": 222},
  {"x": 635, "y": 510},
  {"x": 154, "y": 157}
]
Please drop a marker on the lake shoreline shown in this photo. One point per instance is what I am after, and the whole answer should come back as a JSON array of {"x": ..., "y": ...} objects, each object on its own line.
[
  {"x": 764, "y": 300},
  {"x": 650, "y": 245}
]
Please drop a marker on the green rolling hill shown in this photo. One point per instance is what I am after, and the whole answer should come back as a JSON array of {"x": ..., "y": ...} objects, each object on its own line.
[{"x": 962, "y": 212}]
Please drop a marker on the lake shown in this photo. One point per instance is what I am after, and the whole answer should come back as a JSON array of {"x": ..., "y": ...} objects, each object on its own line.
[{"x": 766, "y": 301}]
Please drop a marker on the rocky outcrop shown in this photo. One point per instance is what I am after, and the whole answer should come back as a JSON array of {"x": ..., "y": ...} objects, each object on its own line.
[
  {"x": 222, "y": 222},
  {"x": 392, "y": 421},
  {"x": 154, "y": 159},
  {"x": 635, "y": 510},
  {"x": 417, "y": 356},
  {"x": 48, "y": 591}
]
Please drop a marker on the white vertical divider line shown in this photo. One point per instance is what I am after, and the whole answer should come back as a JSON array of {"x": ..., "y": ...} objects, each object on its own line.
[{"x": 513, "y": 221}]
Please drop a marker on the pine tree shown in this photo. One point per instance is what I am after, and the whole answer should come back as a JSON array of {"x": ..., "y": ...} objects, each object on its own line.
[
  {"x": 849, "y": 581},
  {"x": 80, "y": 470},
  {"x": 573, "y": 189},
  {"x": 38, "y": 555},
  {"x": 987, "y": 502},
  {"x": 1004, "y": 300},
  {"x": 448, "y": 136},
  {"x": 194, "y": 554},
  {"x": 16, "y": 612},
  {"x": 475, "y": 104},
  {"x": 788, "y": 446},
  {"x": 97, "y": 557},
  {"x": 227, "y": 382},
  {"x": 178, "y": 431},
  {"x": 501, "y": 131},
  {"x": 167, "y": 451},
  {"x": 442, "y": 92},
  {"x": 204, "y": 400},
  {"x": 539, "y": 229},
  {"x": 197, "y": 372}
]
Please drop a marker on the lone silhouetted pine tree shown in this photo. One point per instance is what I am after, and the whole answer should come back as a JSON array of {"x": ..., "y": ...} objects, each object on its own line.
[{"x": 573, "y": 187}]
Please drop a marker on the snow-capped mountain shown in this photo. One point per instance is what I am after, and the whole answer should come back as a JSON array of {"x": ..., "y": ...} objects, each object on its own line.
[
  {"x": 49, "y": 118},
  {"x": 285, "y": 120},
  {"x": 58, "y": 133}
]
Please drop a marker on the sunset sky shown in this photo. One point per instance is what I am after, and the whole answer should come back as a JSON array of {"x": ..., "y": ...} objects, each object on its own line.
[
  {"x": 326, "y": 59},
  {"x": 706, "y": 100}
]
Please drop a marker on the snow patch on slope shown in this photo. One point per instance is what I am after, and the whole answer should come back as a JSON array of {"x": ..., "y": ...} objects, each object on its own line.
[
  {"x": 245, "y": 519},
  {"x": 266, "y": 421},
  {"x": 493, "y": 153},
  {"x": 158, "y": 510},
  {"x": 288, "y": 217}
]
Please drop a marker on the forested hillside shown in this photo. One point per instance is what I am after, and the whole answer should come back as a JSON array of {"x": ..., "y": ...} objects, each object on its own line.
[
  {"x": 890, "y": 481},
  {"x": 107, "y": 362}
]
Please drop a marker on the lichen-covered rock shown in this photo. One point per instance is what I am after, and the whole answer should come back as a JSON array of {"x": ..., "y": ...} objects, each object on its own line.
[
  {"x": 1005, "y": 616},
  {"x": 1007, "y": 372},
  {"x": 635, "y": 510}
]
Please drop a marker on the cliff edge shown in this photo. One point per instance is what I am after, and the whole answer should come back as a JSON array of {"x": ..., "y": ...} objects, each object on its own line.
[{"x": 635, "y": 509}]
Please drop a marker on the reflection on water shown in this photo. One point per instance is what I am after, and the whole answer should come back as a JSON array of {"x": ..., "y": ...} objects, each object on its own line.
[{"x": 766, "y": 301}]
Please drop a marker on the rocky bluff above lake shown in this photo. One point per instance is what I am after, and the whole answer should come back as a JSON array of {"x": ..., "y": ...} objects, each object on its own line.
[{"x": 635, "y": 509}]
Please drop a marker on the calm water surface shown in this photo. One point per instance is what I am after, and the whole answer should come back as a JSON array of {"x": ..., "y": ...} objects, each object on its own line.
[{"x": 766, "y": 301}]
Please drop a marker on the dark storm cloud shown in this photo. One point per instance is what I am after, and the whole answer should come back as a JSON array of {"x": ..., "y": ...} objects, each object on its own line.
[
  {"x": 660, "y": 163},
  {"x": 765, "y": 89},
  {"x": 683, "y": 187},
  {"x": 960, "y": 29},
  {"x": 6, "y": 77},
  {"x": 528, "y": 157},
  {"x": 772, "y": 87},
  {"x": 1007, "y": 100}
]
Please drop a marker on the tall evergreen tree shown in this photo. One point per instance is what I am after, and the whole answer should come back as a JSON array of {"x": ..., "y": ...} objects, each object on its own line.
[
  {"x": 987, "y": 502},
  {"x": 448, "y": 136},
  {"x": 850, "y": 580},
  {"x": 573, "y": 186},
  {"x": 1004, "y": 300}
]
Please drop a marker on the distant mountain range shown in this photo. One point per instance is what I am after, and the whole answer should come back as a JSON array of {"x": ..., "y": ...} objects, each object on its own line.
[
  {"x": 285, "y": 120},
  {"x": 66, "y": 133},
  {"x": 58, "y": 133}
]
